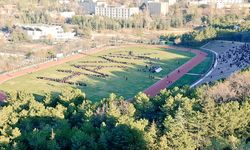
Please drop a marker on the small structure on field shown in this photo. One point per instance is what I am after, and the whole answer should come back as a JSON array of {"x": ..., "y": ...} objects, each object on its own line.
[{"x": 155, "y": 69}]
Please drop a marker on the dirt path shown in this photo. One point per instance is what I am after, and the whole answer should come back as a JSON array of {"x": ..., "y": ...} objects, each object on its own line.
[{"x": 176, "y": 74}]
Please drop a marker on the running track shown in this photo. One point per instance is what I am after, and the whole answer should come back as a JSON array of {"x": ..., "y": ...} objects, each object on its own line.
[{"x": 176, "y": 74}]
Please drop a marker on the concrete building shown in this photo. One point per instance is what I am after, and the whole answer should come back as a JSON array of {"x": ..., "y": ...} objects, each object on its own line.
[
  {"x": 88, "y": 6},
  {"x": 227, "y": 3},
  {"x": 116, "y": 12},
  {"x": 217, "y": 3},
  {"x": 157, "y": 7},
  {"x": 101, "y": 8},
  {"x": 37, "y": 32}
]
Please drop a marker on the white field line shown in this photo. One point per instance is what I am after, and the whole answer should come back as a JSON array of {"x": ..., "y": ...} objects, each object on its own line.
[{"x": 193, "y": 74}]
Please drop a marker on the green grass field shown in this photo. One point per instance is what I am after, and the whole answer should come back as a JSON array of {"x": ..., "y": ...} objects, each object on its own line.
[{"x": 126, "y": 81}]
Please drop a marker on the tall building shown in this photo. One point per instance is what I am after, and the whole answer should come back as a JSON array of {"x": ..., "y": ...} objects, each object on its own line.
[
  {"x": 89, "y": 5},
  {"x": 116, "y": 12},
  {"x": 101, "y": 8},
  {"x": 157, "y": 7}
]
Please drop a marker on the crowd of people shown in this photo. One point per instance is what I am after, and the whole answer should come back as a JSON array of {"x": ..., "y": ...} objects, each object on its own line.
[
  {"x": 80, "y": 73},
  {"x": 99, "y": 67},
  {"x": 91, "y": 70},
  {"x": 232, "y": 57},
  {"x": 94, "y": 62},
  {"x": 134, "y": 57},
  {"x": 115, "y": 61},
  {"x": 64, "y": 80},
  {"x": 94, "y": 67},
  {"x": 237, "y": 56}
]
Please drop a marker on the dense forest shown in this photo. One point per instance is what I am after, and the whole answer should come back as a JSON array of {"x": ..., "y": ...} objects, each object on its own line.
[{"x": 209, "y": 117}]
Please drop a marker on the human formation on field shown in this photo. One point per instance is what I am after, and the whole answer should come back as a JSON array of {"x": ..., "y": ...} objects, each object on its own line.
[{"x": 95, "y": 68}]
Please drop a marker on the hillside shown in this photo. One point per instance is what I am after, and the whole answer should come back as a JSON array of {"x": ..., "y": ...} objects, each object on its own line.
[{"x": 215, "y": 117}]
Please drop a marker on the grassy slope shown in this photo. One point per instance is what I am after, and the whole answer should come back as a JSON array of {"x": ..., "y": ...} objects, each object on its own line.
[{"x": 97, "y": 87}]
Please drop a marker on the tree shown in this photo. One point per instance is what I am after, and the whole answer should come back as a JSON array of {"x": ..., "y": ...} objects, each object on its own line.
[
  {"x": 177, "y": 134},
  {"x": 122, "y": 137},
  {"x": 19, "y": 35},
  {"x": 81, "y": 140},
  {"x": 177, "y": 118},
  {"x": 71, "y": 96}
]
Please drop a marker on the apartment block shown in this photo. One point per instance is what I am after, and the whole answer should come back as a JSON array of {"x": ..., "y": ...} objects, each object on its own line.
[
  {"x": 116, "y": 12},
  {"x": 157, "y": 7}
]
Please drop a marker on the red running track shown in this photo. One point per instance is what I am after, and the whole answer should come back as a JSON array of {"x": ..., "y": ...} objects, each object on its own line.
[{"x": 176, "y": 74}]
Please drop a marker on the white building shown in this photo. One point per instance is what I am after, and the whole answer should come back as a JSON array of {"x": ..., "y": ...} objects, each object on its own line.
[
  {"x": 67, "y": 14},
  {"x": 101, "y": 8},
  {"x": 217, "y": 3},
  {"x": 37, "y": 32},
  {"x": 225, "y": 3},
  {"x": 64, "y": 1},
  {"x": 116, "y": 12}
]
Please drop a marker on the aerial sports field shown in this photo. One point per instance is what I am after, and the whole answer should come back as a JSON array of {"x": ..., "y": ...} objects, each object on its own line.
[{"x": 124, "y": 71}]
